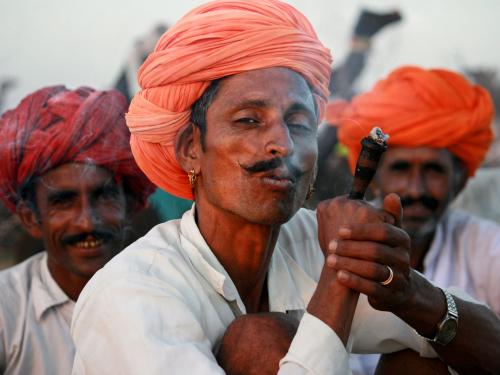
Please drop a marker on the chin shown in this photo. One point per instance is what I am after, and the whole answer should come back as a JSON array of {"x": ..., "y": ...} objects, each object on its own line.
[{"x": 422, "y": 229}]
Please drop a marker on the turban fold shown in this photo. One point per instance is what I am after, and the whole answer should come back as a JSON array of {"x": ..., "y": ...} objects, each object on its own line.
[
  {"x": 423, "y": 108},
  {"x": 54, "y": 126},
  {"x": 215, "y": 40}
]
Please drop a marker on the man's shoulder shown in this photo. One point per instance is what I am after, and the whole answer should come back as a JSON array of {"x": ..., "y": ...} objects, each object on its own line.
[
  {"x": 150, "y": 259},
  {"x": 16, "y": 286},
  {"x": 16, "y": 281},
  {"x": 468, "y": 223}
]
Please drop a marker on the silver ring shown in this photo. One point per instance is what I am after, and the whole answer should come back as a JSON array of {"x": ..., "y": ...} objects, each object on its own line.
[{"x": 389, "y": 279}]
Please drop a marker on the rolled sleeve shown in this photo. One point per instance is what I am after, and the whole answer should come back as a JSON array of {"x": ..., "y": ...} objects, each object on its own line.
[{"x": 315, "y": 349}]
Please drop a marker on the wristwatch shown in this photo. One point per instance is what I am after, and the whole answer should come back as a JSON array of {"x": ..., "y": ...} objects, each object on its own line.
[{"x": 447, "y": 328}]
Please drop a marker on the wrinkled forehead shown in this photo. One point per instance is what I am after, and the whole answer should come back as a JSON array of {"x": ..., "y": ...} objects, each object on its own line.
[
  {"x": 76, "y": 175},
  {"x": 279, "y": 87}
]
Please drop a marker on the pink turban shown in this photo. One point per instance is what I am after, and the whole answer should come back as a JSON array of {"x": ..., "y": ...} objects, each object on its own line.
[
  {"x": 215, "y": 40},
  {"x": 423, "y": 108},
  {"x": 54, "y": 126}
]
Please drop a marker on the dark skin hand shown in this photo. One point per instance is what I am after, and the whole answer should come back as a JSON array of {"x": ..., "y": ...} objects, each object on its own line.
[{"x": 361, "y": 253}]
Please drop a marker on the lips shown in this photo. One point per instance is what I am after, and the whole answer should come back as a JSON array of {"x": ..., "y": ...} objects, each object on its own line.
[{"x": 278, "y": 179}]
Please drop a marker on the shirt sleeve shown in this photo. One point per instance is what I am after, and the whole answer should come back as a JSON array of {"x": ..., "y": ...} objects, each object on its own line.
[{"x": 315, "y": 349}]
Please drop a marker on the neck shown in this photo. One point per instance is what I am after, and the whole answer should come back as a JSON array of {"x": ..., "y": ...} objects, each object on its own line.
[
  {"x": 70, "y": 283},
  {"x": 244, "y": 249}
]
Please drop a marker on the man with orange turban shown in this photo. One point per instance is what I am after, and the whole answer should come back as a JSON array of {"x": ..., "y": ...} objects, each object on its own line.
[
  {"x": 68, "y": 173},
  {"x": 440, "y": 128},
  {"x": 228, "y": 113}
]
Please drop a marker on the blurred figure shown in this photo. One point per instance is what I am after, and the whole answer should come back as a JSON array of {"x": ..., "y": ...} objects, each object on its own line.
[
  {"x": 165, "y": 205},
  {"x": 440, "y": 128},
  {"x": 68, "y": 173},
  {"x": 334, "y": 177},
  {"x": 481, "y": 196}
]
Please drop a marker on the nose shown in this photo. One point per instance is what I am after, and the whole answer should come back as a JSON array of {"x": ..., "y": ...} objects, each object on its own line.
[
  {"x": 86, "y": 217},
  {"x": 416, "y": 184},
  {"x": 279, "y": 143}
]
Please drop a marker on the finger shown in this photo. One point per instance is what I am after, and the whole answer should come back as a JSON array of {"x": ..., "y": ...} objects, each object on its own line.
[
  {"x": 378, "y": 232},
  {"x": 371, "y": 251},
  {"x": 362, "y": 285},
  {"x": 392, "y": 204},
  {"x": 365, "y": 269}
]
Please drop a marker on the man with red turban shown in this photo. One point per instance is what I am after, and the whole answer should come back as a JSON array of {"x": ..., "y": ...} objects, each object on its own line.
[
  {"x": 440, "y": 128},
  {"x": 228, "y": 113},
  {"x": 68, "y": 173}
]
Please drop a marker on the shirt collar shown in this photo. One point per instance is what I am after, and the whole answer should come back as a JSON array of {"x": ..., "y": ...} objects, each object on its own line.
[
  {"x": 46, "y": 292},
  {"x": 204, "y": 260},
  {"x": 289, "y": 286}
]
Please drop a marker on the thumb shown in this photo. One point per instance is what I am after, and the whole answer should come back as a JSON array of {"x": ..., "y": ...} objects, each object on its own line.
[{"x": 392, "y": 204}]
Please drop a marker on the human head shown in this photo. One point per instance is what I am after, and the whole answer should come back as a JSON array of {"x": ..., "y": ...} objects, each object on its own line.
[
  {"x": 440, "y": 130},
  {"x": 216, "y": 40},
  {"x": 70, "y": 147}
]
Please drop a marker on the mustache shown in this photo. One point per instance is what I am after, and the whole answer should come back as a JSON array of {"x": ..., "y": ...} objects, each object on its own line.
[
  {"x": 426, "y": 201},
  {"x": 269, "y": 165},
  {"x": 105, "y": 235}
]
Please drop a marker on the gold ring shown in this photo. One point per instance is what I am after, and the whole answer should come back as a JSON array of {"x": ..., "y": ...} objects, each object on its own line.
[{"x": 389, "y": 279}]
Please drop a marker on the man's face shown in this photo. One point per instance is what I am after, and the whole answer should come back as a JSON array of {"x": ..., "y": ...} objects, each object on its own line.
[
  {"x": 260, "y": 146},
  {"x": 81, "y": 214},
  {"x": 425, "y": 178}
]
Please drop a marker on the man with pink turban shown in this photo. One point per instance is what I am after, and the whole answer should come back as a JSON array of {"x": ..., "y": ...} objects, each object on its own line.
[
  {"x": 440, "y": 128},
  {"x": 228, "y": 113},
  {"x": 68, "y": 173}
]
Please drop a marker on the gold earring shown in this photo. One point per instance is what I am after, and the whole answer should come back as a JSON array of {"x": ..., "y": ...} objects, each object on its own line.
[
  {"x": 192, "y": 176},
  {"x": 310, "y": 192}
]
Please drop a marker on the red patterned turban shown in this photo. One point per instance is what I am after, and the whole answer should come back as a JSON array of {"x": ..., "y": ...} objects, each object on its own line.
[
  {"x": 423, "y": 108},
  {"x": 215, "y": 40},
  {"x": 54, "y": 126}
]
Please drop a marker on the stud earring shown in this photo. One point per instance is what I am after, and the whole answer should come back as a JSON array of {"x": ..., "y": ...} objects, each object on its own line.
[
  {"x": 310, "y": 192},
  {"x": 192, "y": 176}
]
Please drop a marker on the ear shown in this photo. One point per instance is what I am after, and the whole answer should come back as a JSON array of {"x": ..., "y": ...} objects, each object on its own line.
[
  {"x": 30, "y": 219},
  {"x": 461, "y": 179},
  {"x": 188, "y": 148}
]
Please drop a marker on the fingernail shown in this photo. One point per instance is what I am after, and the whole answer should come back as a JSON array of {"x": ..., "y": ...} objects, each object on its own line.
[
  {"x": 342, "y": 276},
  {"x": 331, "y": 260},
  {"x": 332, "y": 246},
  {"x": 344, "y": 232}
]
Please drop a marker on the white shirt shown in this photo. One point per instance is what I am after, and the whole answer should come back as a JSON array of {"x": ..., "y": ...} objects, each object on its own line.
[
  {"x": 164, "y": 303},
  {"x": 35, "y": 317},
  {"x": 465, "y": 253}
]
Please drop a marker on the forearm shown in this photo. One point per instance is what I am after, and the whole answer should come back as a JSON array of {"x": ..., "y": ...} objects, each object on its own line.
[
  {"x": 476, "y": 346},
  {"x": 334, "y": 304}
]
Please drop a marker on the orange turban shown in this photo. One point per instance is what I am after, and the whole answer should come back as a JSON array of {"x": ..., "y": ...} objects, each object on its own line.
[
  {"x": 423, "y": 108},
  {"x": 54, "y": 126},
  {"x": 215, "y": 40}
]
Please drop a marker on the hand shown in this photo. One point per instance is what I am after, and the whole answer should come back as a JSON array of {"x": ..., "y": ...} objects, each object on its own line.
[
  {"x": 362, "y": 254},
  {"x": 334, "y": 213}
]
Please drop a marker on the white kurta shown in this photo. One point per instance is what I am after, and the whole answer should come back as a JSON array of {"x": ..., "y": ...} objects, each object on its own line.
[
  {"x": 35, "y": 317},
  {"x": 163, "y": 304}
]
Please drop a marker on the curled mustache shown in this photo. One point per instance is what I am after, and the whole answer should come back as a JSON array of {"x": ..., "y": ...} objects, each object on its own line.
[
  {"x": 104, "y": 235},
  {"x": 426, "y": 201},
  {"x": 269, "y": 165}
]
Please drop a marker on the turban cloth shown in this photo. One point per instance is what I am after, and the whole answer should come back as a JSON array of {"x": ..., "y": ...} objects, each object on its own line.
[
  {"x": 215, "y": 40},
  {"x": 54, "y": 126},
  {"x": 423, "y": 108}
]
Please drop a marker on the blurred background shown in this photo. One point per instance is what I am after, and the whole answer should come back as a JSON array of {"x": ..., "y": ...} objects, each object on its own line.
[{"x": 76, "y": 43}]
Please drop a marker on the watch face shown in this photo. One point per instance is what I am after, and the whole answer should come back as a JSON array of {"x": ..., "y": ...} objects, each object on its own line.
[{"x": 448, "y": 331}]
